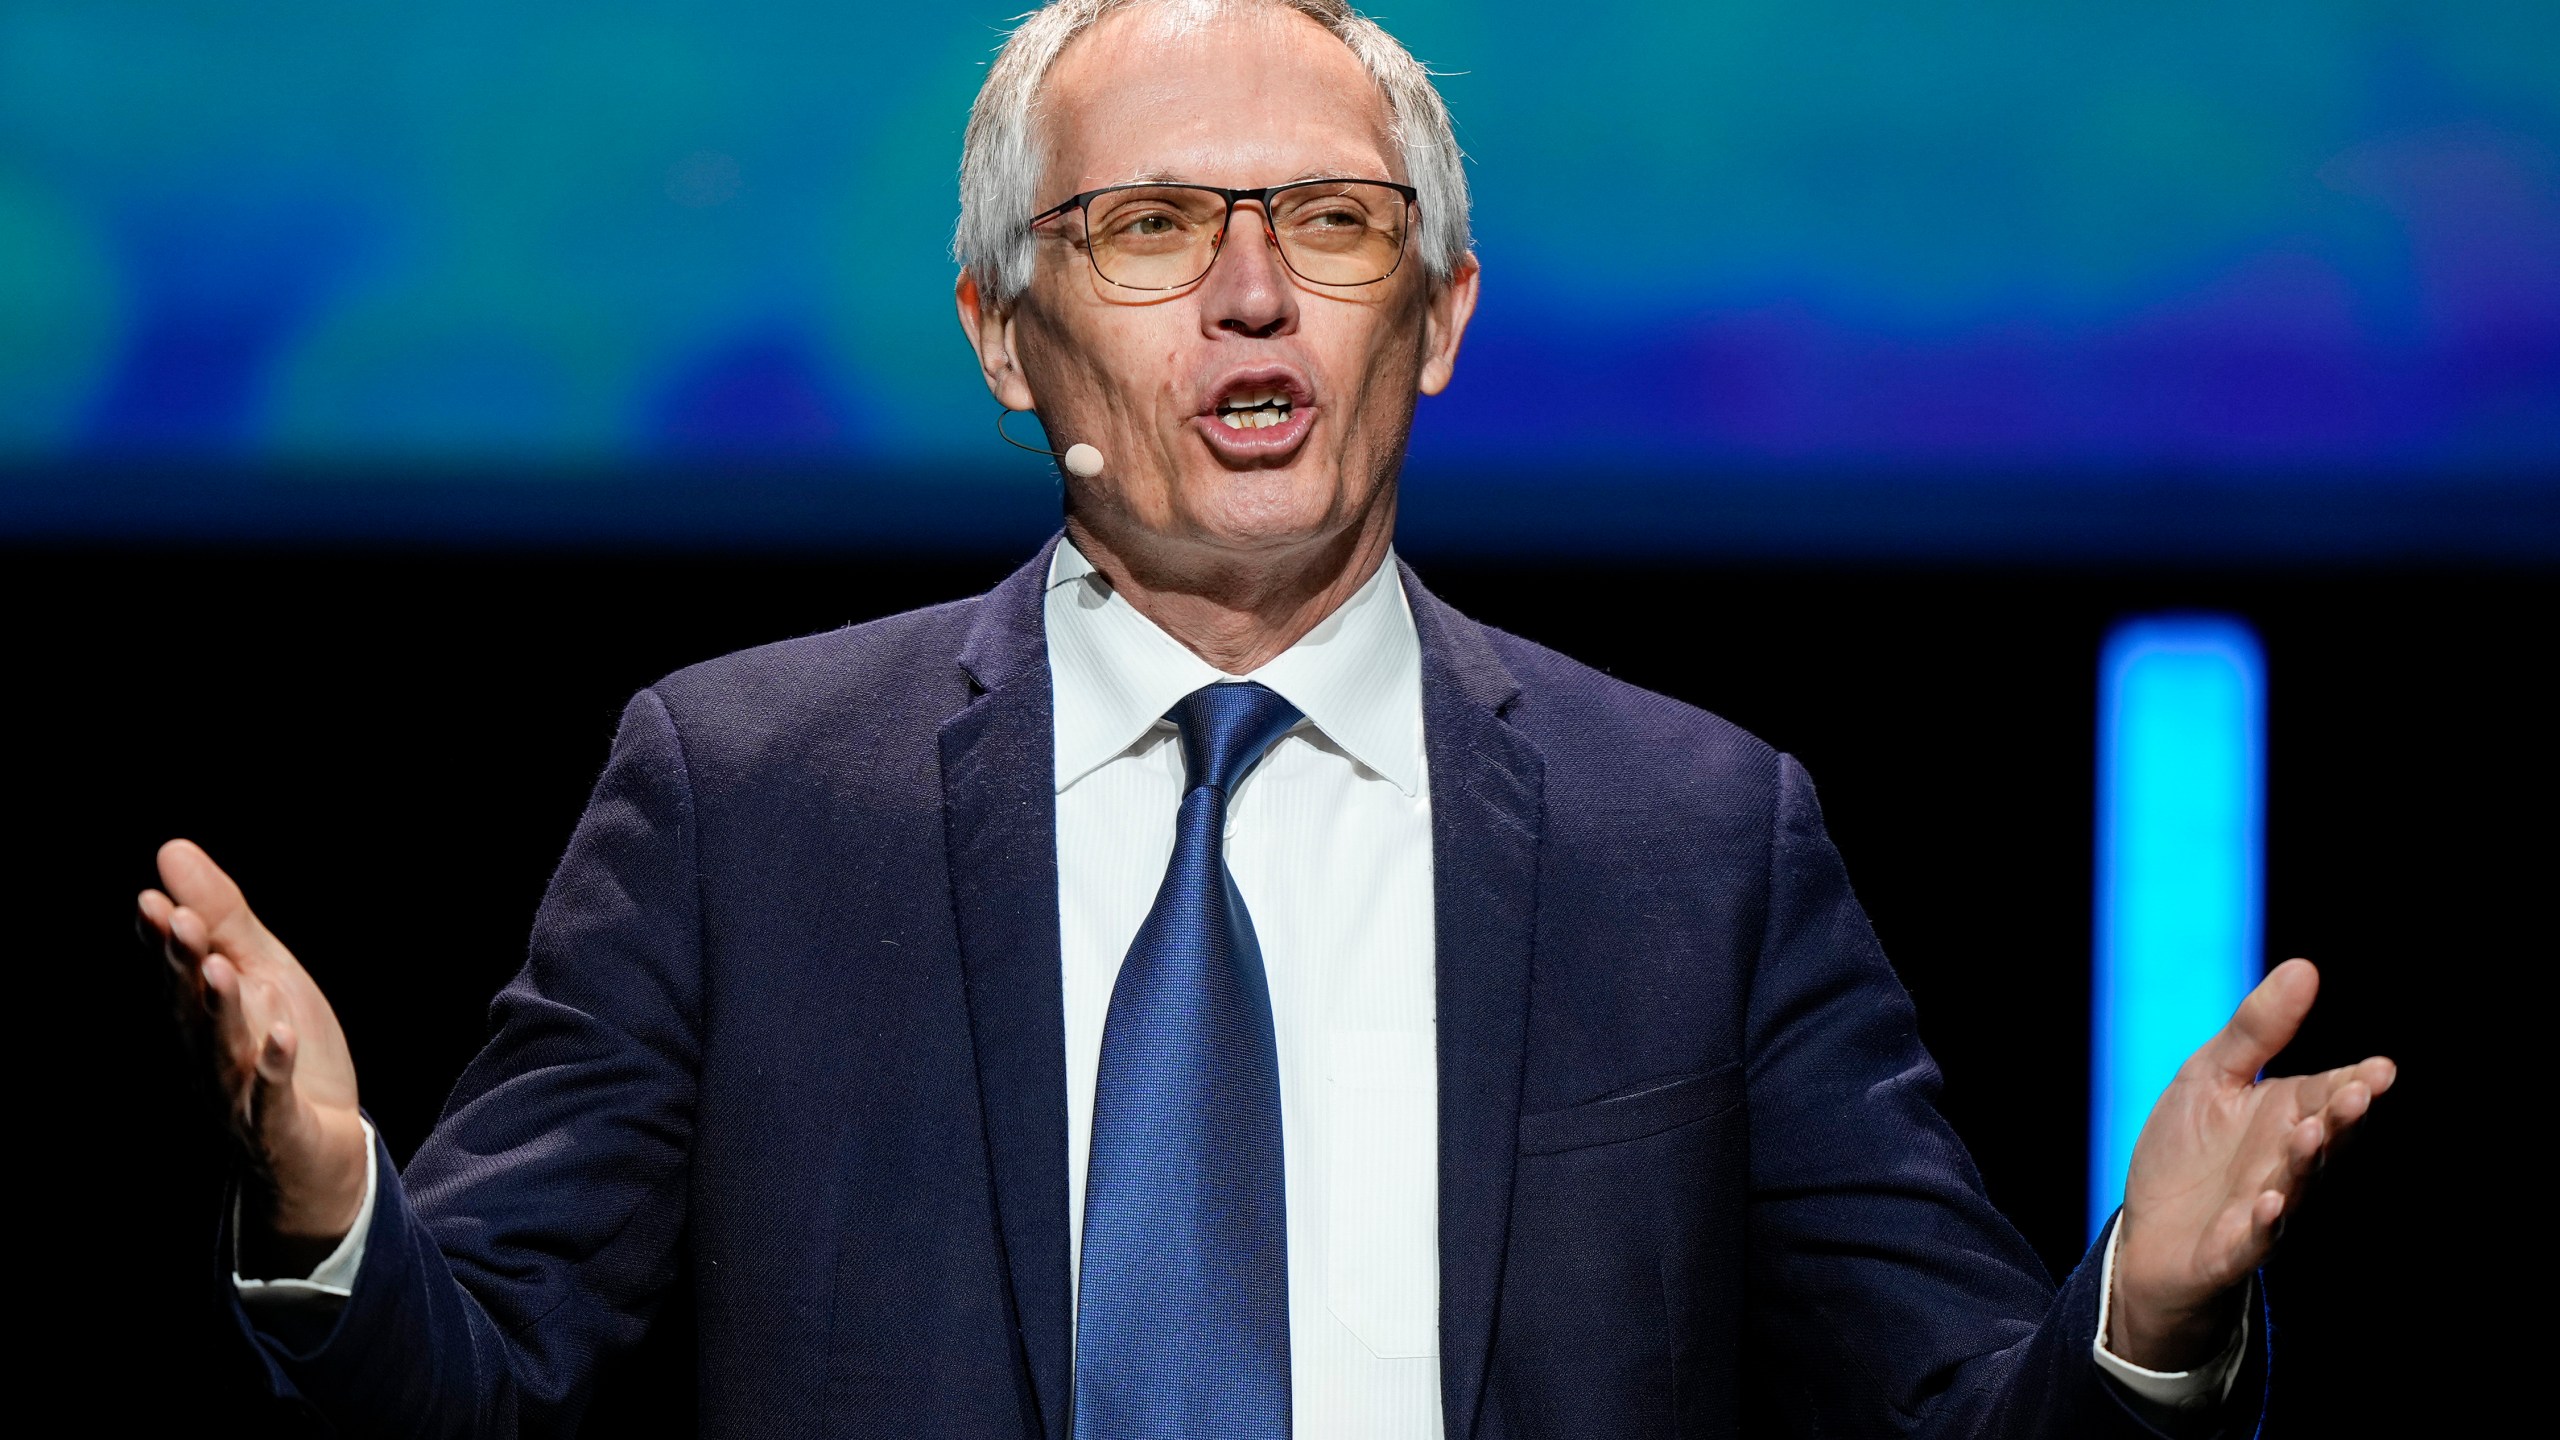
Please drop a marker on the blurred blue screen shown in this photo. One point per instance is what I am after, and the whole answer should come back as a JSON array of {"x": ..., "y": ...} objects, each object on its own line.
[{"x": 526, "y": 267}]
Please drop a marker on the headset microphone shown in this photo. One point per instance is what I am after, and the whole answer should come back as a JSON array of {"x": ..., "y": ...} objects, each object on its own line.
[{"x": 1082, "y": 460}]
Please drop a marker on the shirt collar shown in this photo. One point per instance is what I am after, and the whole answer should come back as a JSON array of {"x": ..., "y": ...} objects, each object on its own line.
[{"x": 1357, "y": 676}]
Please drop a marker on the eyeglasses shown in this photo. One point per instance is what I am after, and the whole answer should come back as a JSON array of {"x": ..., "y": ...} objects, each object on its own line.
[{"x": 1163, "y": 237}]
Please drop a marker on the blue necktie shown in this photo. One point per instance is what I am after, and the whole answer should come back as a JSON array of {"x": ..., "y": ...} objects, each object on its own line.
[{"x": 1182, "y": 1313}]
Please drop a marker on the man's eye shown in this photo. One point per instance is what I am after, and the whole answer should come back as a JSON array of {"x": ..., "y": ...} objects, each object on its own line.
[
  {"x": 1339, "y": 221},
  {"x": 1146, "y": 225}
]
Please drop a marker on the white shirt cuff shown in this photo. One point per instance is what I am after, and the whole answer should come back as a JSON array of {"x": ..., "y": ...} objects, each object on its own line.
[
  {"x": 333, "y": 1279},
  {"x": 2207, "y": 1384}
]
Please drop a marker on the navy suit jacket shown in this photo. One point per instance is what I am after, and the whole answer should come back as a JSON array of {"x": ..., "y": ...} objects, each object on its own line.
[{"x": 791, "y": 1021}]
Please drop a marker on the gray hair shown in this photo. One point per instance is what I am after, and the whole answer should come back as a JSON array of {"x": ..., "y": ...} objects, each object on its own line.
[{"x": 1001, "y": 159}]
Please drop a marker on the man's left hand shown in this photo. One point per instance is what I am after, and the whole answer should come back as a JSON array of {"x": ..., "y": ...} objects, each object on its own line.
[{"x": 2223, "y": 1159}]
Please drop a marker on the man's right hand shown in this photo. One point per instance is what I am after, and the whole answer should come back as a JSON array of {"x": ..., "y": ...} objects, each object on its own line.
[{"x": 277, "y": 1054}]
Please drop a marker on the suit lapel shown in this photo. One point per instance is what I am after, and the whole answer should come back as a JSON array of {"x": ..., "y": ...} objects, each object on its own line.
[
  {"x": 1487, "y": 788},
  {"x": 1000, "y": 833},
  {"x": 1000, "y": 829}
]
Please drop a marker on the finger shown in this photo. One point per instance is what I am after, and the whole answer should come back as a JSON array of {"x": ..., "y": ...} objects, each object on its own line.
[
  {"x": 2265, "y": 1224},
  {"x": 221, "y": 988},
  {"x": 2302, "y": 1147},
  {"x": 151, "y": 910},
  {"x": 2265, "y": 1023},
  {"x": 270, "y": 1104},
  {"x": 189, "y": 932},
  {"x": 2346, "y": 1110},
  {"x": 2314, "y": 1093},
  {"x": 2244, "y": 1235},
  {"x": 228, "y": 1007},
  {"x": 2266, "y": 1219},
  {"x": 2284, "y": 1166},
  {"x": 187, "y": 963}
]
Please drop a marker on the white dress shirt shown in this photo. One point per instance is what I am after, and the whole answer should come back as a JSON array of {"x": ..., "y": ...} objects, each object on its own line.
[{"x": 1329, "y": 840}]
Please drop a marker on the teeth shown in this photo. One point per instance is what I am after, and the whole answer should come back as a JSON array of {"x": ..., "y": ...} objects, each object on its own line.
[{"x": 1257, "y": 411}]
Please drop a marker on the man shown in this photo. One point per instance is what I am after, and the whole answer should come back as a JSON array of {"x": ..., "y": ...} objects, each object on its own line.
[{"x": 1206, "y": 986}]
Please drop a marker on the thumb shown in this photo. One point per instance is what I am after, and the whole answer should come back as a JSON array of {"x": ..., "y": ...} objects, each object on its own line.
[
  {"x": 193, "y": 880},
  {"x": 199, "y": 885},
  {"x": 2264, "y": 1024}
]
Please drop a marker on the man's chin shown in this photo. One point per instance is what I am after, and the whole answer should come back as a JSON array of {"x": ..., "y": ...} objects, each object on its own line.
[{"x": 1299, "y": 518}]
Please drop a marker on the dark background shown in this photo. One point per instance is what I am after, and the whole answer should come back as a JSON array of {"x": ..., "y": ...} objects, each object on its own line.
[{"x": 389, "y": 750}]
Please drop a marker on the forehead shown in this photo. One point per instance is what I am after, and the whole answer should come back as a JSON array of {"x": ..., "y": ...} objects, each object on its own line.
[{"x": 1254, "y": 97}]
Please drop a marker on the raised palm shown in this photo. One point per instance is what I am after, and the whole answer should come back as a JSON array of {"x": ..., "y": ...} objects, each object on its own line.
[
  {"x": 2224, "y": 1157},
  {"x": 274, "y": 1044}
]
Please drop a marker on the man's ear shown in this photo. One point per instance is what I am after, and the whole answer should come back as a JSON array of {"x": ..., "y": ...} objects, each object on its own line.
[
  {"x": 1444, "y": 323},
  {"x": 990, "y": 332}
]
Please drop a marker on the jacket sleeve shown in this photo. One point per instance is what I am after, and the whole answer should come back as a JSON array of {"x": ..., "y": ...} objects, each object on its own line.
[
  {"x": 1889, "y": 1297},
  {"x": 535, "y": 1230}
]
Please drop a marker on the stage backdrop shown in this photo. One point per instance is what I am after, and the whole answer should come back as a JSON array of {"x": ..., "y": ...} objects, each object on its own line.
[{"x": 2122, "y": 275}]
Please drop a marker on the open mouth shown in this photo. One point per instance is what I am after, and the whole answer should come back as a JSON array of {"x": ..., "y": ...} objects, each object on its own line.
[
  {"x": 1254, "y": 409},
  {"x": 1258, "y": 417}
]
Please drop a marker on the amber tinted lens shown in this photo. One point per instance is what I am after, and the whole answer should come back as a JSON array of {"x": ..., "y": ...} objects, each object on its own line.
[
  {"x": 1341, "y": 232},
  {"x": 1154, "y": 237}
]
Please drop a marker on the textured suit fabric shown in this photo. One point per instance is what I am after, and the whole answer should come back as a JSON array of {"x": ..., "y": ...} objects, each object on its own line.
[{"x": 791, "y": 1023}]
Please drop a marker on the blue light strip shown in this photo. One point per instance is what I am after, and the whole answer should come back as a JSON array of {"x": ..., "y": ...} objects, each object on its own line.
[{"x": 2181, "y": 845}]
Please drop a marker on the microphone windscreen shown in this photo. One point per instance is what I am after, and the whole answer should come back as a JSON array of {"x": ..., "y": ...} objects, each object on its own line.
[{"x": 1083, "y": 461}]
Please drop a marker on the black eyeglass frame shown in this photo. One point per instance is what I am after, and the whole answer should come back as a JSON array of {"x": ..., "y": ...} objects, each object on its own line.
[{"x": 1261, "y": 196}]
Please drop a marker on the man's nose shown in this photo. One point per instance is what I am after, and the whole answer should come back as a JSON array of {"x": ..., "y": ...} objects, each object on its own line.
[{"x": 1247, "y": 291}]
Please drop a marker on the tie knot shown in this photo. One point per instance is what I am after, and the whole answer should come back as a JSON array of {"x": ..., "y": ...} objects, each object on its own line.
[{"x": 1225, "y": 730}]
